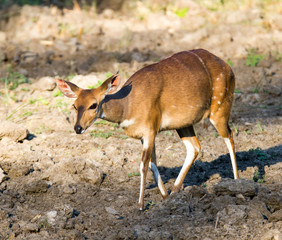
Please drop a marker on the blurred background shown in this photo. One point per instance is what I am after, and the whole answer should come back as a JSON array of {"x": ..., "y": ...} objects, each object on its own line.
[{"x": 65, "y": 38}]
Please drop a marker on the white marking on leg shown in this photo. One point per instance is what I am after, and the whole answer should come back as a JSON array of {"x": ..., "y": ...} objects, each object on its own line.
[
  {"x": 141, "y": 184},
  {"x": 145, "y": 143},
  {"x": 158, "y": 178},
  {"x": 126, "y": 123},
  {"x": 188, "y": 160},
  {"x": 212, "y": 122},
  {"x": 232, "y": 156}
]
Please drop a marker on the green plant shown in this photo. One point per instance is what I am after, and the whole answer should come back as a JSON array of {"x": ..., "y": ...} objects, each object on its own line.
[
  {"x": 43, "y": 128},
  {"x": 16, "y": 110},
  {"x": 25, "y": 89},
  {"x": 108, "y": 74},
  {"x": 96, "y": 85},
  {"x": 60, "y": 103},
  {"x": 260, "y": 154},
  {"x": 26, "y": 114},
  {"x": 57, "y": 93},
  {"x": 44, "y": 224},
  {"x": 253, "y": 58},
  {"x": 168, "y": 133},
  {"x": 149, "y": 205},
  {"x": 133, "y": 174},
  {"x": 237, "y": 91},
  {"x": 13, "y": 79},
  {"x": 31, "y": 101},
  {"x": 278, "y": 57},
  {"x": 230, "y": 63},
  {"x": 259, "y": 126},
  {"x": 104, "y": 122},
  {"x": 235, "y": 128},
  {"x": 258, "y": 177},
  {"x": 248, "y": 132},
  {"x": 63, "y": 27},
  {"x": 181, "y": 12},
  {"x": 99, "y": 134},
  {"x": 255, "y": 90},
  {"x": 43, "y": 101}
]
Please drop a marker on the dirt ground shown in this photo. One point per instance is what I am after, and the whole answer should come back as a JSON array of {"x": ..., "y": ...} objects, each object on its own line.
[{"x": 55, "y": 184}]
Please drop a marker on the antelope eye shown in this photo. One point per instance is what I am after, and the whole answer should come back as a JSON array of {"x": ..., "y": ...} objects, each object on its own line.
[
  {"x": 93, "y": 106},
  {"x": 74, "y": 107}
]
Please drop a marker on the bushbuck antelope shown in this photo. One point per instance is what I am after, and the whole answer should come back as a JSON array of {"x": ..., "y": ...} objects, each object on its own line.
[{"x": 174, "y": 93}]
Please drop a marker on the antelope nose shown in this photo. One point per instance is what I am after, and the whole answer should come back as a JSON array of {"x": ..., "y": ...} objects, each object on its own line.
[{"x": 78, "y": 129}]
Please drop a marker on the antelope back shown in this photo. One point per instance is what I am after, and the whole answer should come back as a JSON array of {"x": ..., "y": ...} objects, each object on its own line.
[{"x": 178, "y": 91}]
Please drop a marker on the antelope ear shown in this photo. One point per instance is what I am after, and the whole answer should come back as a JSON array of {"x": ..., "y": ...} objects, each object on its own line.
[
  {"x": 67, "y": 88},
  {"x": 111, "y": 84}
]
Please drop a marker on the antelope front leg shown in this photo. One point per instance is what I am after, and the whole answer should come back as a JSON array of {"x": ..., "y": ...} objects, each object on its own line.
[{"x": 148, "y": 145}]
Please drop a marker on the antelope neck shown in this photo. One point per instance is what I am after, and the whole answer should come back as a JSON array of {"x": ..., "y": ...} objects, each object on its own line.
[{"x": 112, "y": 109}]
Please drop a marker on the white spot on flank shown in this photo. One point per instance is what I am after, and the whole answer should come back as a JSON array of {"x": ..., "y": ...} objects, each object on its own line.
[
  {"x": 217, "y": 79},
  {"x": 219, "y": 102},
  {"x": 214, "y": 97},
  {"x": 126, "y": 123},
  {"x": 211, "y": 114}
]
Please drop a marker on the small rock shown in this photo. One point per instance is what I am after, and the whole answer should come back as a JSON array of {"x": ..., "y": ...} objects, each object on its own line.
[
  {"x": 234, "y": 187},
  {"x": 37, "y": 187},
  {"x": 71, "y": 212},
  {"x": 232, "y": 214},
  {"x": 111, "y": 211},
  {"x": 18, "y": 171},
  {"x": 273, "y": 234},
  {"x": 85, "y": 81},
  {"x": 14, "y": 131},
  {"x": 51, "y": 216},
  {"x": 196, "y": 191},
  {"x": 2, "y": 175},
  {"x": 30, "y": 227},
  {"x": 273, "y": 173},
  {"x": 276, "y": 216},
  {"x": 45, "y": 84},
  {"x": 69, "y": 189}
]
